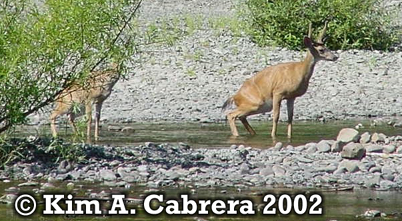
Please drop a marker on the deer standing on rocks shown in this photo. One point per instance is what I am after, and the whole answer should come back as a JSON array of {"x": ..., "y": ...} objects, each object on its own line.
[
  {"x": 96, "y": 90},
  {"x": 264, "y": 91}
]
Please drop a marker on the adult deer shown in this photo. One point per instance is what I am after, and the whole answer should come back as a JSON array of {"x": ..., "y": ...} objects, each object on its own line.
[
  {"x": 264, "y": 91},
  {"x": 96, "y": 90}
]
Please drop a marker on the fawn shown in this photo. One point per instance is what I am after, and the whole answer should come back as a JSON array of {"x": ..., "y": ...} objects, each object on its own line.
[
  {"x": 264, "y": 91},
  {"x": 96, "y": 90}
]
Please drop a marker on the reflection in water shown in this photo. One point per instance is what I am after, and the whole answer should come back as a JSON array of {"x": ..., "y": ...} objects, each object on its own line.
[{"x": 215, "y": 135}]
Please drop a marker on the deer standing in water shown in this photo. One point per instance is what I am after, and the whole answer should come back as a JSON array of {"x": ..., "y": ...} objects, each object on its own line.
[
  {"x": 264, "y": 91},
  {"x": 96, "y": 90}
]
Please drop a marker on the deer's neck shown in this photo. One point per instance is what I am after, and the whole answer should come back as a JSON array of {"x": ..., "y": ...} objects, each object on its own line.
[{"x": 308, "y": 63}]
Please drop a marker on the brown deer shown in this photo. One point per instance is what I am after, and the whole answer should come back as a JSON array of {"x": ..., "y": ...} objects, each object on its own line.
[
  {"x": 264, "y": 91},
  {"x": 96, "y": 90}
]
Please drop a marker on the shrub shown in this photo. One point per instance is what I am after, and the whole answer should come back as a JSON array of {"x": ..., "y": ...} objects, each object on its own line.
[
  {"x": 46, "y": 45},
  {"x": 353, "y": 24}
]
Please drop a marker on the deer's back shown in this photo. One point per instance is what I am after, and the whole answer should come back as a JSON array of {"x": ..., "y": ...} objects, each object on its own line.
[
  {"x": 97, "y": 88},
  {"x": 281, "y": 78}
]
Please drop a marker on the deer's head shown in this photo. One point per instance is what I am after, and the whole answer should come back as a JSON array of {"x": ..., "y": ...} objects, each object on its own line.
[{"x": 317, "y": 48}]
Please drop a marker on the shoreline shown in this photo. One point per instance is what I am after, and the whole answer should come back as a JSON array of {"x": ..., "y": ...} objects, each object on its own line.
[{"x": 352, "y": 160}]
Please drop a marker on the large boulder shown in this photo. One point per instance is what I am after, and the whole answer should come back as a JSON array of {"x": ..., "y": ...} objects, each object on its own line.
[
  {"x": 347, "y": 135},
  {"x": 353, "y": 151}
]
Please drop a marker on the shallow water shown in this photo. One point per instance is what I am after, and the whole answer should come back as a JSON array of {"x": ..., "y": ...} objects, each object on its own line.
[{"x": 218, "y": 134}]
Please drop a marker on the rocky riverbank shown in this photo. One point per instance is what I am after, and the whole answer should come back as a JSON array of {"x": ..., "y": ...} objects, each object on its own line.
[{"x": 352, "y": 160}]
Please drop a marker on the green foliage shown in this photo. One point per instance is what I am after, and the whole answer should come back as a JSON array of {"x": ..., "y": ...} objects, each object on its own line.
[
  {"x": 39, "y": 149},
  {"x": 46, "y": 46},
  {"x": 353, "y": 24}
]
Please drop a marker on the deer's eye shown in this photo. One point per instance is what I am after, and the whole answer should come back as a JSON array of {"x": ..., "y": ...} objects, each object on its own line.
[{"x": 321, "y": 51}]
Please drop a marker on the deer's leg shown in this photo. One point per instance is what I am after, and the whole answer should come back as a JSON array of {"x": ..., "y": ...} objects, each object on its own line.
[
  {"x": 88, "y": 112},
  {"x": 247, "y": 125},
  {"x": 98, "y": 109},
  {"x": 232, "y": 118},
  {"x": 71, "y": 118},
  {"x": 276, "y": 101},
  {"x": 240, "y": 113},
  {"x": 290, "y": 106},
  {"x": 59, "y": 110}
]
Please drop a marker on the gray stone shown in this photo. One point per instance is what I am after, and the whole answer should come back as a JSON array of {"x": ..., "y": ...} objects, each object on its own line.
[
  {"x": 378, "y": 138},
  {"x": 340, "y": 170},
  {"x": 75, "y": 174},
  {"x": 27, "y": 170},
  {"x": 303, "y": 159},
  {"x": 375, "y": 169},
  {"x": 373, "y": 148},
  {"x": 142, "y": 168},
  {"x": 347, "y": 135},
  {"x": 399, "y": 150},
  {"x": 244, "y": 168},
  {"x": 278, "y": 170},
  {"x": 398, "y": 124},
  {"x": 365, "y": 138},
  {"x": 327, "y": 169},
  {"x": 266, "y": 171},
  {"x": 387, "y": 184},
  {"x": 290, "y": 148},
  {"x": 389, "y": 148},
  {"x": 373, "y": 180},
  {"x": 311, "y": 147},
  {"x": 64, "y": 167},
  {"x": 337, "y": 146},
  {"x": 130, "y": 179},
  {"x": 353, "y": 151},
  {"x": 48, "y": 186},
  {"x": 279, "y": 160},
  {"x": 388, "y": 176},
  {"x": 300, "y": 148},
  {"x": 366, "y": 166},
  {"x": 107, "y": 175},
  {"x": 278, "y": 146},
  {"x": 323, "y": 146},
  {"x": 350, "y": 165},
  {"x": 387, "y": 170}
]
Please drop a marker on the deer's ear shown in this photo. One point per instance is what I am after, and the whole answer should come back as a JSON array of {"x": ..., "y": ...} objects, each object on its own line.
[{"x": 308, "y": 42}]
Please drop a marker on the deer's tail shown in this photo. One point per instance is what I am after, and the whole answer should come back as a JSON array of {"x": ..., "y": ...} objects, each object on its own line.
[{"x": 228, "y": 103}]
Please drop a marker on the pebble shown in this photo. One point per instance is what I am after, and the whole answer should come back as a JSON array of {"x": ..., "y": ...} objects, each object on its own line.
[
  {"x": 107, "y": 175},
  {"x": 323, "y": 146},
  {"x": 389, "y": 148},
  {"x": 365, "y": 138},
  {"x": 378, "y": 138}
]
